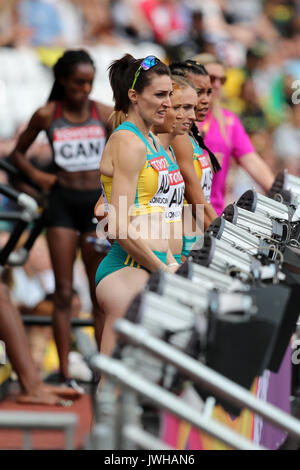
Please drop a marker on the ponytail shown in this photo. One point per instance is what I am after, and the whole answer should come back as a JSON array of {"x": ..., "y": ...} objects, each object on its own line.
[
  {"x": 213, "y": 159},
  {"x": 57, "y": 92},
  {"x": 119, "y": 79},
  {"x": 118, "y": 117}
]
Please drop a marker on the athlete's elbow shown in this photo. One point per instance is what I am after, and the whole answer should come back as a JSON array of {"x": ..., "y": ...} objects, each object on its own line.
[
  {"x": 16, "y": 157},
  {"x": 13, "y": 157},
  {"x": 117, "y": 229}
]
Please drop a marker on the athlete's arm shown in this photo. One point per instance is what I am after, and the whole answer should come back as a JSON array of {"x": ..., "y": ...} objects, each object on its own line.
[
  {"x": 183, "y": 149},
  {"x": 99, "y": 209},
  {"x": 105, "y": 113},
  {"x": 128, "y": 157},
  {"x": 258, "y": 170},
  {"x": 171, "y": 261},
  {"x": 39, "y": 121}
]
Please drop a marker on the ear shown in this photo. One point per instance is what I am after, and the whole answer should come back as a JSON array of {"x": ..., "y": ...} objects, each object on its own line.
[{"x": 132, "y": 95}]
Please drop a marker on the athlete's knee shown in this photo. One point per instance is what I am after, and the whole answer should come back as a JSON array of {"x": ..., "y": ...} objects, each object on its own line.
[
  {"x": 63, "y": 296},
  {"x": 99, "y": 315}
]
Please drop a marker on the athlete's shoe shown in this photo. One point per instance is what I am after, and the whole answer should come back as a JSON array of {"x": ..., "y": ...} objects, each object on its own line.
[
  {"x": 73, "y": 384},
  {"x": 78, "y": 368}
]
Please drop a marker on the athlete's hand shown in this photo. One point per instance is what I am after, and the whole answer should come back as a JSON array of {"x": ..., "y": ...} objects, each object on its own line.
[{"x": 172, "y": 268}]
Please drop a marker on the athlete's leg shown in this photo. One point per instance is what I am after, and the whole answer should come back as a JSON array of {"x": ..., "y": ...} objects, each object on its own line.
[
  {"x": 115, "y": 293},
  {"x": 63, "y": 244},
  {"x": 91, "y": 260},
  {"x": 16, "y": 343},
  {"x": 17, "y": 348}
]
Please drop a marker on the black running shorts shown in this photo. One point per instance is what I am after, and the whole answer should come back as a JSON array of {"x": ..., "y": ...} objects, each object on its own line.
[{"x": 72, "y": 209}]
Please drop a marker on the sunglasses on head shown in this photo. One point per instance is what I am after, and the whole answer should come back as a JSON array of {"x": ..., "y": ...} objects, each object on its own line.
[
  {"x": 147, "y": 64},
  {"x": 213, "y": 78}
]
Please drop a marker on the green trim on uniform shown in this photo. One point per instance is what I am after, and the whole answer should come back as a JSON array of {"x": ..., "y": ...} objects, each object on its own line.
[
  {"x": 187, "y": 244},
  {"x": 117, "y": 258}
]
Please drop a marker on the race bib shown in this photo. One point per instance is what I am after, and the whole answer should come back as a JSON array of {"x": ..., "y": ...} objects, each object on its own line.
[
  {"x": 206, "y": 178},
  {"x": 161, "y": 197},
  {"x": 79, "y": 148},
  {"x": 176, "y": 196}
]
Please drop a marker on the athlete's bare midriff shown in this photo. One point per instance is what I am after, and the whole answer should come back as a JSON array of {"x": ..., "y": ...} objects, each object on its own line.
[
  {"x": 79, "y": 180},
  {"x": 152, "y": 229}
]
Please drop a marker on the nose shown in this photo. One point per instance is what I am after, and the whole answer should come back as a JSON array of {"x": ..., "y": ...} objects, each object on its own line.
[
  {"x": 167, "y": 102},
  {"x": 87, "y": 88},
  {"x": 204, "y": 99},
  {"x": 192, "y": 116},
  {"x": 179, "y": 115}
]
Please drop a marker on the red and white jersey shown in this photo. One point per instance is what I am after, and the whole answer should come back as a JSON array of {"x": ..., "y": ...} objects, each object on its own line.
[{"x": 77, "y": 147}]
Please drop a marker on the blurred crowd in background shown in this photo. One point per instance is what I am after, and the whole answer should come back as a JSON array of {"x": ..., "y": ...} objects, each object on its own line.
[{"x": 257, "y": 40}]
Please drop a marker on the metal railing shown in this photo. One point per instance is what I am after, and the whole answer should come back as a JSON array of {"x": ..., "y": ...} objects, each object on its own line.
[
  {"x": 30, "y": 421},
  {"x": 207, "y": 377},
  {"x": 108, "y": 432}
]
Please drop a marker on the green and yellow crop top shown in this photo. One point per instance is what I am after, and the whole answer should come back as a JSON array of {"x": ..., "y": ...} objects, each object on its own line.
[
  {"x": 153, "y": 187},
  {"x": 202, "y": 169}
]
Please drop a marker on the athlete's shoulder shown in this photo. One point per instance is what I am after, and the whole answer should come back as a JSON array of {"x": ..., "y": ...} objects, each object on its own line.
[
  {"x": 128, "y": 139},
  {"x": 127, "y": 150},
  {"x": 182, "y": 141},
  {"x": 230, "y": 117},
  {"x": 104, "y": 111},
  {"x": 227, "y": 113},
  {"x": 43, "y": 116},
  {"x": 103, "y": 106}
]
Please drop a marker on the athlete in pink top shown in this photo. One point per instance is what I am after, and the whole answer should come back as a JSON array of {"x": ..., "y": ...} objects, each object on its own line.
[
  {"x": 236, "y": 145},
  {"x": 226, "y": 137}
]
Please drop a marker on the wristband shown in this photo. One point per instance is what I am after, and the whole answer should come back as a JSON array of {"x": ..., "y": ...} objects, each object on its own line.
[{"x": 172, "y": 264}]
